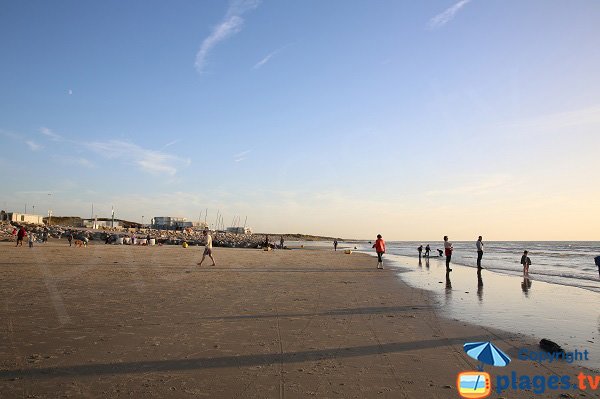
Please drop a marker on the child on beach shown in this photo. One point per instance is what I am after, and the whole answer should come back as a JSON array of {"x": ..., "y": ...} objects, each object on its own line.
[
  {"x": 31, "y": 239},
  {"x": 526, "y": 262},
  {"x": 380, "y": 249}
]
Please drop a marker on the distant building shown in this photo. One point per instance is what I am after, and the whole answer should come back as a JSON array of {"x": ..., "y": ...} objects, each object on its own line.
[
  {"x": 101, "y": 223},
  {"x": 170, "y": 223},
  {"x": 21, "y": 217},
  {"x": 239, "y": 230}
]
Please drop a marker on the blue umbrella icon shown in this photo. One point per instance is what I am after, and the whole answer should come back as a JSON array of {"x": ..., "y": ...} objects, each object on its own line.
[{"x": 486, "y": 353}]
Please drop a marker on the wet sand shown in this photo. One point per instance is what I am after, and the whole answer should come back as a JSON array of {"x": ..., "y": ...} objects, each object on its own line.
[{"x": 120, "y": 321}]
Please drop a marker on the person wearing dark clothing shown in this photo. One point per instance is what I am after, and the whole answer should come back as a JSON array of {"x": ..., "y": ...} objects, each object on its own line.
[
  {"x": 70, "y": 237},
  {"x": 335, "y": 245},
  {"x": 420, "y": 249},
  {"x": 427, "y": 249},
  {"x": 526, "y": 262},
  {"x": 281, "y": 241},
  {"x": 597, "y": 260},
  {"x": 20, "y": 236},
  {"x": 479, "y": 245},
  {"x": 440, "y": 252}
]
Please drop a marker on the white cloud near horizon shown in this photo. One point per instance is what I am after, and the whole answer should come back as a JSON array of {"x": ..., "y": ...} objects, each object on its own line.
[
  {"x": 443, "y": 18},
  {"x": 151, "y": 161},
  {"x": 229, "y": 26}
]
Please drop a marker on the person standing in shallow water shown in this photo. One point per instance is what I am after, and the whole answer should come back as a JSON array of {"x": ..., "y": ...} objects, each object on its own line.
[
  {"x": 380, "y": 249},
  {"x": 335, "y": 245},
  {"x": 427, "y": 250},
  {"x": 597, "y": 260},
  {"x": 479, "y": 245},
  {"x": 448, "y": 252},
  {"x": 526, "y": 262},
  {"x": 420, "y": 249}
]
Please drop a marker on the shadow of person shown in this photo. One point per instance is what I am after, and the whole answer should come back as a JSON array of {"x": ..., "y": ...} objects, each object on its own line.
[
  {"x": 479, "y": 285},
  {"x": 526, "y": 285},
  {"x": 427, "y": 262}
]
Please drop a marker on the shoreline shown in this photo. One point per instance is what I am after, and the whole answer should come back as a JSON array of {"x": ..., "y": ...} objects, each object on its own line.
[
  {"x": 114, "y": 321},
  {"x": 536, "y": 310}
]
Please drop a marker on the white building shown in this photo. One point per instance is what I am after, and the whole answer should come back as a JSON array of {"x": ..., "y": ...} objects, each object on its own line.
[
  {"x": 170, "y": 223},
  {"x": 21, "y": 217},
  {"x": 100, "y": 223}
]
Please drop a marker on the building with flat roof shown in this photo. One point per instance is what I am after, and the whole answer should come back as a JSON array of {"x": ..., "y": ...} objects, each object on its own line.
[
  {"x": 21, "y": 217},
  {"x": 170, "y": 223}
]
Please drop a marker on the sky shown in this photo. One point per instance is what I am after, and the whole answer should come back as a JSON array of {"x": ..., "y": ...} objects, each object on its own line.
[{"x": 344, "y": 118}]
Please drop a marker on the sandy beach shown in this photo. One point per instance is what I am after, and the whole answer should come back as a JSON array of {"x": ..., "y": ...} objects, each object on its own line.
[{"x": 123, "y": 321}]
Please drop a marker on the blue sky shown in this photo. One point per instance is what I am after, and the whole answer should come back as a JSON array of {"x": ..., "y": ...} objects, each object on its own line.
[{"x": 347, "y": 118}]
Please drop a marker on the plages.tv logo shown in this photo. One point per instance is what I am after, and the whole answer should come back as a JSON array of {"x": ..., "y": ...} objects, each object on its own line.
[{"x": 477, "y": 384}]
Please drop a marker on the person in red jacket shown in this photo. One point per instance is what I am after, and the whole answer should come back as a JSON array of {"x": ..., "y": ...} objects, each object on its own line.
[{"x": 380, "y": 249}]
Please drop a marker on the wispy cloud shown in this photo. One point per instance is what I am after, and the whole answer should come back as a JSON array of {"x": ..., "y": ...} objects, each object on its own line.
[
  {"x": 33, "y": 146},
  {"x": 241, "y": 156},
  {"x": 268, "y": 57},
  {"x": 230, "y": 25},
  {"x": 589, "y": 116},
  {"x": 264, "y": 60},
  {"x": 155, "y": 162},
  {"x": 147, "y": 160},
  {"x": 170, "y": 143},
  {"x": 74, "y": 161},
  {"x": 443, "y": 18},
  {"x": 483, "y": 185},
  {"x": 49, "y": 133}
]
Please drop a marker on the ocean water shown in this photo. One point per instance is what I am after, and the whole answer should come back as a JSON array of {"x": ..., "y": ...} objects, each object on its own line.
[{"x": 562, "y": 262}]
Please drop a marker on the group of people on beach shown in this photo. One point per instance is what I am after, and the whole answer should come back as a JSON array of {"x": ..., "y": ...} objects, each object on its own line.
[
  {"x": 20, "y": 233},
  {"x": 448, "y": 249}
]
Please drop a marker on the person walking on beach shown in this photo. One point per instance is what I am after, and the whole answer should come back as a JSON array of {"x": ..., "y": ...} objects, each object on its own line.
[
  {"x": 526, "y": 262},
  {"x": 281, "y": 242},
  {"x": 427, "y": 249},
  {"x": 267, "y": 241},
  {"x": 70, "y": 237},
  {"x": 380, "y": 249},
  {"x": 597, "y": 260},
  {"x": 420, "y": 249},
  {"x": 479, "y": 245},
  {"x": 31, "y": 239},
  {"x": 21, "y": 235},
  {"x": 207, "y": 248},
  {"x": 335, "y": 245},
  {"x": 448, "y": 252}
]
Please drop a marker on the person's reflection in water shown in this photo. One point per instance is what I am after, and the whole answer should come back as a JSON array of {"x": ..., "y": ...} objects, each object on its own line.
[
  {"x": 448, "y": 284},
  {"x": 479, "y": 285},
  {"x": 420, "y": 263},
  {"x": 526, "y": 285},
  {"x": 427, "y": 262}
]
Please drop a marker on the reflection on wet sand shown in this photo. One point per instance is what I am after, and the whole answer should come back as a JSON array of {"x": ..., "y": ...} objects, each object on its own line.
[
  {"x": 526, "y": 284},
  {"x": 479, "y": 285},
  {"x": 448, "y": 285}
]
